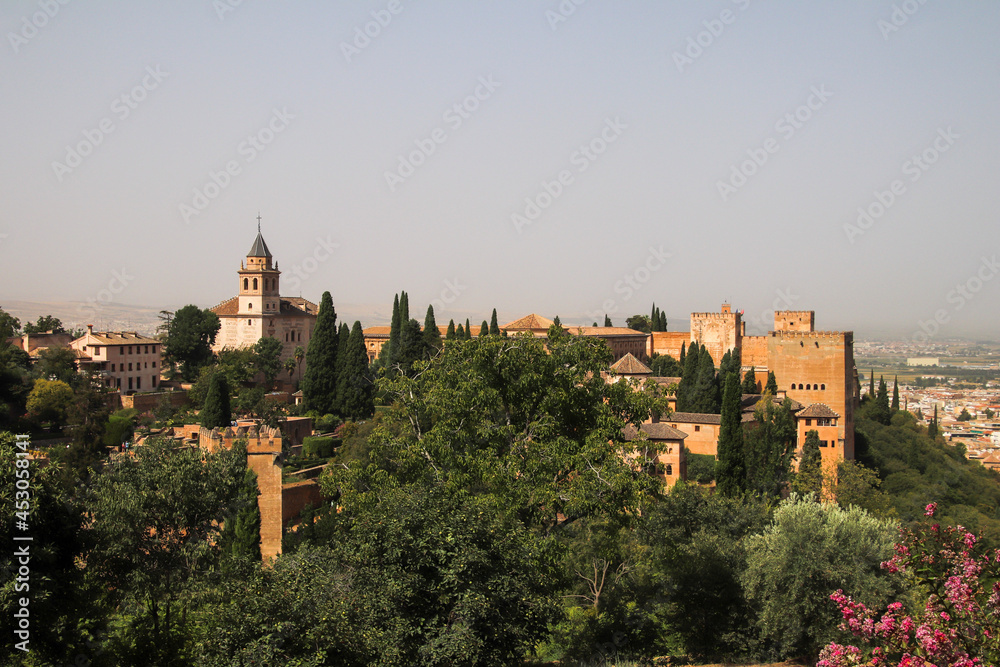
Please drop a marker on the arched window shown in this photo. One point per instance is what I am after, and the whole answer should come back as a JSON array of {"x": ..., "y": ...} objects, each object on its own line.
[
  {"x": 248, "y": 322},
  {"x": 800, "y": 385},
  {"x": 246, "y": 284},
  {"x": 249, "y": 306},
  {"x": 255, "y": 284},
  {"x": 822, "y": 387},
  {"x": 809, "y": 386},
  {"x": 670, "y": 469}
]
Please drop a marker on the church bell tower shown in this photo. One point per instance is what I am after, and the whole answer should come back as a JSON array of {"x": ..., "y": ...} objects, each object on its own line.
[{"x": 259, "y": 291}]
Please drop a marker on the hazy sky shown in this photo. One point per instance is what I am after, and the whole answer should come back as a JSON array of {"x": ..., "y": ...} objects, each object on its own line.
[{"x": 685, "y": 153}]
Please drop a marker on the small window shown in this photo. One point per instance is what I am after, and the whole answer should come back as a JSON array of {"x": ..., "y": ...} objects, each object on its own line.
[
  {"x": 809, "y": 422},
  {"x": 138, "y": 383},
  {"x": 154, "y": 380},
  {"x": 248, "y": 322},
  {"x": 130, "y": 368},
  {"x": 130, "y": 349},
  {"x": 670, "y": 470},
  {"x": 822, "y": 387},
  {"x": 154, "y": 364},
  {"x": 254, "y": 284},
  {"x": 121, "y": 350},
  {"x": 250, "y": 307},
  {"x": 246, "y": 284},
  {"x": 809, "y": 386},
  {"x": 112, "y": 368},
  {"x": 697, "y": 428}
]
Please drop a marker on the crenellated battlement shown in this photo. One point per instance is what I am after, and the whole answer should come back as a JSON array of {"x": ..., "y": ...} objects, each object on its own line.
[
  {"x": 812, "y": 334},
  {"x": 262, "y": 439}
]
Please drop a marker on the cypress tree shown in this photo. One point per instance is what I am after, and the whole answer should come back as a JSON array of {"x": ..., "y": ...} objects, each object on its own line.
[
  {"x": 871, "y": 385},
  {"x": 682, "y": 355},
  {"x": 432, "y": 335},
  {"x": 319, "y": 384},
  {"x": 240, "y": 538},
  {"x": 343, "y": 333},
  {"x": 607, "y": 321},
  {"x": 895, "y": 394},
  {"x": 357, "y": 390},
  {"x": 730, "y": 469},
  {"x": 880, "y": 411},
  {"x": 809, "y": 479},
  {"x": 468, "y": 329},
  {"x": 772, "y": 384},
  {"x": 404, "y": 308},
  {"x": 451, "y": 333},
  {"x": 484, "y": 330},
  {"x": 689, "y": 378},
  {"x": 389, "y": 350},
  {"x": 932, "y": 428},
  {"x": 557, "y": 322},
  {"x": 494, "y": 329},
  {"x": 663, "y": 321},
  {"x": 460, "y": 332},
  {"x": 216, "y": 411},
  {"x": 750, "y": 381},
  {"x": 706, "y": 391}
]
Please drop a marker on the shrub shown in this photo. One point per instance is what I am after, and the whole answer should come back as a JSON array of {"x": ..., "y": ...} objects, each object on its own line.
[{"x": 317, "y": 446}]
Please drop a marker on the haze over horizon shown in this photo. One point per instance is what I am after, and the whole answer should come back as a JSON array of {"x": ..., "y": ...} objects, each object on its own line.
[{"x": 559, "y": 158}]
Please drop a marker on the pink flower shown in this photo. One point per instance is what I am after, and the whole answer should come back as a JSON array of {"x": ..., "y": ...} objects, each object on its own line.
[{"x": 929, "y": 511}]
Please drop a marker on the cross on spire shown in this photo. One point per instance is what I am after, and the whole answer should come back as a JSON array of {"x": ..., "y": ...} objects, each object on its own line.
[{"x": 258, "y": 222}]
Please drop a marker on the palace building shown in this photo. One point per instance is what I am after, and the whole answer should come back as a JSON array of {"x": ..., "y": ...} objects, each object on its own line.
[{"x": 259, "y": 310}]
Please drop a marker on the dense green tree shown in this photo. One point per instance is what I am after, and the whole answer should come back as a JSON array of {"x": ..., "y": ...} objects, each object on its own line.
[
  {"x": 149, "y": 550},
  {"x": 809, "y": 478},
  {"x": 663, "y": 365},
  {"x": 895, "y": 395},
  {"x": 460, "y": 332},
  {"x": 696, "y": 542},
  {"x": 556, "y": 322},
  {"x": 932, "y": 428},
  {"x": 65, "y": 607},
  {"x": 267, "y": 359},
  {"x": 730, "y": 470},
  {"x": 9, "y": 325},
  {"x": 858, "y": 486},
  {"x": 412, "y": 346},
  {"x": 468, "y": 329},
  {"x": 432, "y": 335},
  {"x": 343, "y": 336},
  {"x": 217, "y": 412},
  {"x": 663, "y": 321},
  {"x": 14, "y": 383},
  {"x": 989, "y": 413},
  {"x": 871, "y": 385},
  {"x": 683, "y": 357},
  {"x": 770, "y": 446},
  {"x": 45, "y": 324},
  {"x": 484, "y": 329},
  {"x": 750, "y": 382},
  {"x": 607, "y": 321},
  {"x": 772, "y": 384},
  {"x": 189, "y": 340},
  {"x": 57, "y": 363},
  {"x": 639, "y": 323},
  {"x": 357, "y": 388},
  {"x": 319, "y": 383},
  {"x": 49, "y": 400},
  {"x": 964, "y": 415},
  {"x": 810, "y": 550},
  {"x": 450, "y": 333},
  {"x": 494, "y": 327}
]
